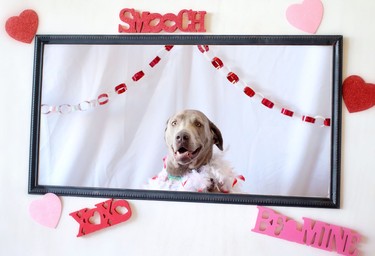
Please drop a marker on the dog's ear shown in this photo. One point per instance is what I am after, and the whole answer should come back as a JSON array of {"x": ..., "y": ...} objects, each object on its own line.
[
  {"x": 165, "y": 130},
  {"x": 166, "y": 125},
  {"x": 218, "y": 138}
]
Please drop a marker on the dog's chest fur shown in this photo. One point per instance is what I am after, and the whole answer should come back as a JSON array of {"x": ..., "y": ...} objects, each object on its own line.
[{"x": 216, "y": 176}]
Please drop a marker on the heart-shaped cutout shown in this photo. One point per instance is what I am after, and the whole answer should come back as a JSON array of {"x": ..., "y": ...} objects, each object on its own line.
[
  {"x": 95, "y": 219},
  {"x": 23, "y": 27},
  {"x": 306, "y": 16},
  {"x": 357, "y": 94},
  {"x": 47, "y": 210}
]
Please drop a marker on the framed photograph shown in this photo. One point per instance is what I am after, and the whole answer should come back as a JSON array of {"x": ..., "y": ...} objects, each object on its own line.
[{"x": 236, "y": 119}]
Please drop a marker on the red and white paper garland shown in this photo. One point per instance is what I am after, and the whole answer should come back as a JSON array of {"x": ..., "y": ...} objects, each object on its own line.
[
  {"x": 233, "y": 78},
  {"x": 216, "y": 62},
  {"x": 105, "y": 97}
]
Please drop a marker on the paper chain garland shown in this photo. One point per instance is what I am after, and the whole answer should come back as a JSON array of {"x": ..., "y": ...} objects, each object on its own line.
[
  {"x": 104, "y": 98},
  {"x": 233, "y": 78},
  {"x": 216, "y": 62}
]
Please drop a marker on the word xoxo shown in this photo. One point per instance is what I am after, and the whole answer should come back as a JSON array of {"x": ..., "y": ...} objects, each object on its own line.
[
  {"x": 107, "y": 213},
  {"x": 313, "y": 233},
  {"x": 185, "y": 21}
]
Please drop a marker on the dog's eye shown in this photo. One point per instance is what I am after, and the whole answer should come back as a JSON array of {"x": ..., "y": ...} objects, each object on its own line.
[
  {"x": 174, "y": 123},
  {"x": 198, "y": 124}
]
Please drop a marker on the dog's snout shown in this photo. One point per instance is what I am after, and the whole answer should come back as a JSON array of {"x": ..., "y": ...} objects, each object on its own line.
[{"x": 182, "y": 137}]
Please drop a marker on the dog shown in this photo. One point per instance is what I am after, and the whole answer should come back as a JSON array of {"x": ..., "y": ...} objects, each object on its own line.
[
  {"x": 190, "y": 137},
  {"x": 191, "y": 165}
]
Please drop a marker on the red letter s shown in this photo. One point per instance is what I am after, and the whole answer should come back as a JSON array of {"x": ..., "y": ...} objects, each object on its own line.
[{"x": 127, "y": 16}]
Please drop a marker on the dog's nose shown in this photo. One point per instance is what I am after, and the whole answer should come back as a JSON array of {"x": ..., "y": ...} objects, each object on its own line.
[{"x": 182, "y": 137}]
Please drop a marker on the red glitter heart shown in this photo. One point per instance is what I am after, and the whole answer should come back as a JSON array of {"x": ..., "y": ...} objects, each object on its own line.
[
  {"x": 23, "y": 27},
  {"x": 357, "y": 94}
]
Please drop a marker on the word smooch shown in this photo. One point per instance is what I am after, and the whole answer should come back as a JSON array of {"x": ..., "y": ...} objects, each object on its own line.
[{"x": 146, "y": 22}]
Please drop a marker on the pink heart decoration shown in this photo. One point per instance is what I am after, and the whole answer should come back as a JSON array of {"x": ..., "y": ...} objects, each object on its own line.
[
  {"x": 357, "y": 94},
  {"x": 306, "y": 16},
  {"x": 47, "y": 210},
  {"x": 23, "y": 27}
]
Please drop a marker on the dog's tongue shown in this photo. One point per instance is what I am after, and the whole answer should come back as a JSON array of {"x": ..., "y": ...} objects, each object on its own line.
[{"x": 185, "y": 154}]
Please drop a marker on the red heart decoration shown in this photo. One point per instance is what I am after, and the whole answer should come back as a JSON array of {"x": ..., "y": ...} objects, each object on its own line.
[
  {"x": 23, "y": 27},
  {"x": 357, "y": 94}
]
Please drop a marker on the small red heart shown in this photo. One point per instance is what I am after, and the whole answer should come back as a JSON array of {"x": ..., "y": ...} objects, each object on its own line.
[
  {"x": 357, "y": 94},
  {"x": 23, "y": 27}
]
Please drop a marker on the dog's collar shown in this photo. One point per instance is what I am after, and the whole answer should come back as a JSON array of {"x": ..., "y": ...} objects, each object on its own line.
[{"x": 172, "y": 177}]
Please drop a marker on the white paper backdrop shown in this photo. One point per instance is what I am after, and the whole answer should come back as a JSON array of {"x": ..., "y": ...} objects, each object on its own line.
[{"x": 121, "y": 145}]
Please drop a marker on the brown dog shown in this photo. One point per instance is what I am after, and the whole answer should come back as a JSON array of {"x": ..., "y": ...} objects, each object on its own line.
[{"x": 190, "y": 137}]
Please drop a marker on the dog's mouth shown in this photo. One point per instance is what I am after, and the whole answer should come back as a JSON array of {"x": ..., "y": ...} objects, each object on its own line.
[{"x": 184, "y": 155}]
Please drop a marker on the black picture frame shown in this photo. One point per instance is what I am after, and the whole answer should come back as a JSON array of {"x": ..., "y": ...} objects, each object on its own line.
[{"x": 335, "y": 41}]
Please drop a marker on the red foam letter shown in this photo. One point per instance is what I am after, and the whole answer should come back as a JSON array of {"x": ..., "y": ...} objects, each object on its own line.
[
  {"x": 169, "y": 22},
  {"x": 128, "y": 16},
  {"x": 183, "y": 20},
  {"x": 197, "y": 21},
  {"x": 79, "y": 217},
  {"x": 152, "y": 23},
  {"x": 122, "y": 214}
]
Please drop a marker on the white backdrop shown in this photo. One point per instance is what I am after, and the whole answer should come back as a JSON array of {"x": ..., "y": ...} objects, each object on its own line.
[
  {"x": 176, "y": 228},
  {"x": 120, "y": 144}
]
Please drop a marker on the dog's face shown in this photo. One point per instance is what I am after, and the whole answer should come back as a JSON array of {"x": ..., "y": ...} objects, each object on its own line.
[{"x": 190, "y": 137}]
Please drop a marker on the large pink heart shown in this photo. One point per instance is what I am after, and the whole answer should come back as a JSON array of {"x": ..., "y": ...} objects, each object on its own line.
[
  {"x": 47, "y": 210},
  {"x": 23, "y": 27},
  {"x": 357, "y": 94},
  {"x": 306, "y": 16}
]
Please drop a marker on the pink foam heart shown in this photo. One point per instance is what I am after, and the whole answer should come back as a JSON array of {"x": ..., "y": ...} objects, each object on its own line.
[
  {"x": 47, "y": 210},
  {"x": 23, "y": 27},
  {"x": 306, "y": 16}
]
